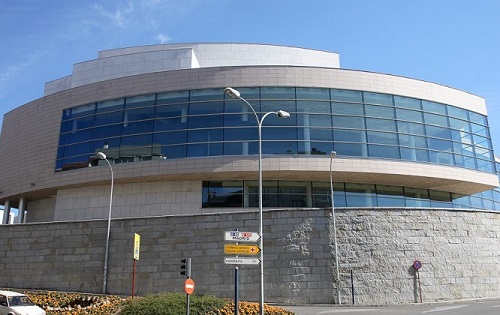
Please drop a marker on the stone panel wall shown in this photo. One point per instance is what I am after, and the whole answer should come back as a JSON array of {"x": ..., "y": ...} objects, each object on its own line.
[{"x": 460, "y": 251}]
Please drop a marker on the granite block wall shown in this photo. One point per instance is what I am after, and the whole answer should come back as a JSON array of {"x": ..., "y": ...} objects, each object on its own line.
[{"x": 460, "y": 252}]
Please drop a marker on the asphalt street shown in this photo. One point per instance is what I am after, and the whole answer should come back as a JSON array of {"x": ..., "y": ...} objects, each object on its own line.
[{"x": 472, "y": 307}]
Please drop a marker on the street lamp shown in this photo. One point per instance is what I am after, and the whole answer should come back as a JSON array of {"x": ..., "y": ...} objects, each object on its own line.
[
  {"x": 281, "y": 114},
  {"x": 332, "y": 155},
  {"x": 102, "y": 156}
]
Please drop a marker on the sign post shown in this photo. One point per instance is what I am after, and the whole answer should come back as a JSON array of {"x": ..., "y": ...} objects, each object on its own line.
[{"x": 137, "y": 245}]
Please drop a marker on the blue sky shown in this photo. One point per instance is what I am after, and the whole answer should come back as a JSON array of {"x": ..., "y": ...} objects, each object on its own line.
[{"x": 450, "y": 42}]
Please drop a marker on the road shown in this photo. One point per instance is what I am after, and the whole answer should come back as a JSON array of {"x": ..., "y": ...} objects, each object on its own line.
[{"x": 482, "y": 307}]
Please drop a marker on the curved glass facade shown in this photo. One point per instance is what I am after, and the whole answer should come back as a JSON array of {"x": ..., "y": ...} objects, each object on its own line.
[{"x": 206, "y": 122}]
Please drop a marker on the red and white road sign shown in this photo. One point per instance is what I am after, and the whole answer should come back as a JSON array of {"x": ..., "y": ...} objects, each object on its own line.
[{"x": 189, "y": 286}]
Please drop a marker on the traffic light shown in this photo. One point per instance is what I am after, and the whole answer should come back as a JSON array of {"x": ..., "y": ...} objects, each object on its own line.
[{"x": 186, "y": 267}]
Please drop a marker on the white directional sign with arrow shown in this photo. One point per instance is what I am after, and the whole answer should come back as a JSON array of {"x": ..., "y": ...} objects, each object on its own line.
[
  {"x": 241, "y": 261},
  {"x": 237, "y": 236}
]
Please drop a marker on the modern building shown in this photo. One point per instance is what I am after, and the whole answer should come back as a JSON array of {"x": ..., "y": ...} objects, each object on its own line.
[{"x": 178, "y": 145}]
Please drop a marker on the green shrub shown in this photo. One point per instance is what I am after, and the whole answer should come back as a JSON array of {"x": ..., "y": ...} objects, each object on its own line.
[{"x": 172, "y": 304}]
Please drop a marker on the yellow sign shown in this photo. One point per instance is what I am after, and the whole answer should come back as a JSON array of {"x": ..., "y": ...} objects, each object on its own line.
[
  {"x": 241, "y": 249},
  {"x": 137, "y": 245}
]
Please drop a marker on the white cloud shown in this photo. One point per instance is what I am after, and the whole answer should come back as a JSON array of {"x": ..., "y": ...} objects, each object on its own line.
[
  {"x": 119, "y": 16},
  {"x": 162, "y": 38}
]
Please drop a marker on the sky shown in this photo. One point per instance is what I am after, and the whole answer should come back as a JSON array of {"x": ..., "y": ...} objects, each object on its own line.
[{"x": 450, "y": 42}]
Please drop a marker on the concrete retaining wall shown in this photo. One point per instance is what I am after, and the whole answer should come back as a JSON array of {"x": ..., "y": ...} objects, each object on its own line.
[{"x": 460, "y": 251}]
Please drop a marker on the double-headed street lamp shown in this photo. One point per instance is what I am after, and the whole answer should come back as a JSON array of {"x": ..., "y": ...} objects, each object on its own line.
[
  {"x": 102, "y": 156},
  {"x": 332, "y": 155},
  {"x": 281, "y": 114}
]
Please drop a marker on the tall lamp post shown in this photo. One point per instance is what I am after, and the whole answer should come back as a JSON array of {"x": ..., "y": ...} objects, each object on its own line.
[
  {"x": 102, "y": 156},
  {"x": 281, "y": 114},
  {"x": 332, "y": 156}
]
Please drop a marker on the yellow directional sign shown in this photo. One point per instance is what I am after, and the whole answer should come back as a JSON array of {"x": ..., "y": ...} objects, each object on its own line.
[
  {"x": 137, "y": 245},
  {"x": 241, "y": 249}
]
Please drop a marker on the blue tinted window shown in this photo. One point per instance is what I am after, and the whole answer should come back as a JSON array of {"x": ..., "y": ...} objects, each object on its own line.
[
  {"x": 348, "y": 109},
  {"x": 175, "y": 137},
  {"x": 170, "y": 124},
  {"x": 412, "y": 128},
  {"x": 83, "y": 110},
  {"x": 108, "y": 118},
  {"x": 434, "y": 119},
  {"x": 434, "y": 107},
  {"x": 383, "y": 151},
  {"x": 312, "y": 94},
  {"x": 315, "y": 120},
  {"x": 111, "y": 105},
  {"x": 313, "y": 107},
  {"x": 206, "y": 95},
  {"x": 347, "y": 96},
  {"x": 315, "y": 148},
  {"x": 382, "y": 137},
  {"x": 406, "y": 102},
  {"x": 279, "y": 147},
  {"x": 380, "y": 124},
  {"x": 348, "y": 122},
  {"x": 377, "y": 98},
  {"x": 140, "y": 101},
  {"x": 205, "y": 149},
  {"x": 282, "y": 93},
  {"x": 205, "y": 135},
  {"x": 173, "y": 97},
  {"x": 379, "y": 111},
  {"x": 235, "y": 134},
  {"x": 409, "y": 115},
  {"x": 351, "y": 149},
  {"x": 458, "y": 112},
  {"x": 349, "y": 135}
]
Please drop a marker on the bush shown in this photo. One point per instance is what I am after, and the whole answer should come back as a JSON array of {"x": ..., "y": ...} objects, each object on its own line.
[{"x": 172, "y": 304}]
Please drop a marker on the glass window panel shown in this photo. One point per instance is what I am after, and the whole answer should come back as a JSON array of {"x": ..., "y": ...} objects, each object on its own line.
[
  {"x": 234, "y": 134},
  {"x": 206, "y": 108},
  {"x": 315, "y": 120},
  {"x": 108, "y": 118},
  {"x": 383, "y": 151},
  {"x": 411, "y": 154},
  {"x": 351, "y": 149},
  {"x": 237, "y": 120},
  {"x": 379, "y": 111},
  {"x": 172, "y": 110},
  {"x": 478, "y": 119},
  {"x": 412, "y": 141},
  {"x": 349, "y": 135},
  {"x": 110, "y": 105},
  {"x": 82, "y": 123},
  {"x": 274, "y": 120},
  {"x": 312, "y": 94},
  {"x": 206, "y": 95},
  {"x": 165, "y": 138},
  {"x": 78, "y": 136},
  {"x": 205, "y": 135},
  {"x": 173, "y": 97},
  {"x": 378, "y": 98},
  {"x": 206, "y": 121},
  {"x": 241, "y": 148},
  {"x": 458, "y": 112},
  {"x": 315, "y": 148},
  {"x": 441, "y": 157},
  {"x": 140, "y": 101},
  {"x": 417, "y": 203},
  {"x": 481, "y": 141},
  {"x": 348, "y": 122},
  {"x": 318, "y": 134},
  {"x": 409, "y": 115},
  {"x": 349, "y": 109},
  {"x": 83, "y": 110},
  {"x": 64, "y": 126},
  {"x": 360, "y": 195},
  {"x": 485, "y": 166},
  {"x": 75, "y": 162},
  {"x": 483, "y": 153},
  {"x": 459, "y": 124},
  {"x": 382, "y": 137},
  {"x": 279, "y": 147},
  {"x": 174, "y": 151},
  {"x": 77, "y": 149},
  {"x": 434, "y": 107},
  {"x": 107, "y": 131},
  {"x": 249, "y": 93},
  {"x": 279, "y": 133},
  {"x": 222, "y": 194},
  {"x": 141, "y": 140},
  {"x": 438, "y": 132},
  {"x": 138, "y": 114},
  {"x": 434, "y": 119},
  {"x": 313, "y": 107},
  {"x": 439, "y": 145},
  {"x": 392, "y": 201},
  {"x": 277, "y": 93},
  {"x": 105, "y": 145},
  {"x": 347, "y": 96},
  {"x": 204, "y": 149},
  {"x": 168, "y": 124},
  {"x": 416, "y": 193},
  {"x": 380, "y": 124},
  {"x": 406, "y": 102},
  {"x": 411, "y": 128},
  {"x": 480, "y": 130},
  {"x": 137, "y": 127},
  {"x": 439, "y": 195}
]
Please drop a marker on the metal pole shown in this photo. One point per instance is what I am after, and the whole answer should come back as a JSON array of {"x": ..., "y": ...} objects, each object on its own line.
[
  {"x": 236, "y": 311},
  {"x": 104, "y": 286},
  {"x": 332, "y": 155}
]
